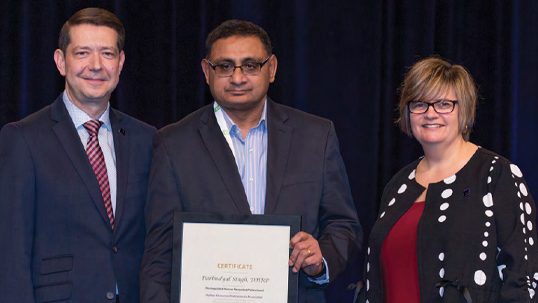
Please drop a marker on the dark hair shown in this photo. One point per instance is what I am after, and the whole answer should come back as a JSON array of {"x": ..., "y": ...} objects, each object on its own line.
[
  {"x": 431, "y": 77},
  {"x": 94, "y": 16},
  {"x": 237, "y": 28}
]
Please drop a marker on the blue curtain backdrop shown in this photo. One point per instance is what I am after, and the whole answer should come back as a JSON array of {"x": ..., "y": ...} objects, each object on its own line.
[{"x": 342, "y": 60}]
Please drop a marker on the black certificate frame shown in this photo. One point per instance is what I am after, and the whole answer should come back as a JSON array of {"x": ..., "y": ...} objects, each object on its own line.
[{"x": 293, "y": 221}]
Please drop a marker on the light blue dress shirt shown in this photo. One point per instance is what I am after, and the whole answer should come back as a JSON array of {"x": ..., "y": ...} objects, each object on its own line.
[
  {"x": 106, "y": 142},
  {"x": 251, "y": 159}
]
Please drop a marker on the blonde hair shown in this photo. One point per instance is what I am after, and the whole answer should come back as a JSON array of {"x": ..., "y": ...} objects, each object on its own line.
[{"x": 432, "y": 77}]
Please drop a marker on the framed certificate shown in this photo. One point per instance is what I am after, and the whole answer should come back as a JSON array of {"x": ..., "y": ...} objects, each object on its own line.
[{"x": 225, "y": 258}]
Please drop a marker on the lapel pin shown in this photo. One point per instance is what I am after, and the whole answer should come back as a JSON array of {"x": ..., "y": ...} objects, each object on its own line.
[
  {"x": 466, "y": 192},
  {"x": 122, "y": 131}
]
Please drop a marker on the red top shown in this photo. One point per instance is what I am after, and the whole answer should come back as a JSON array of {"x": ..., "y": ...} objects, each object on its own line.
[{"x": 399, "y": 259}]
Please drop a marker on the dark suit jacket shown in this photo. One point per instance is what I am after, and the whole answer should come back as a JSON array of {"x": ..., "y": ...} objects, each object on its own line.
[
  {"x": 193, "y": 170},
  {"x": 56, "y": 242}
]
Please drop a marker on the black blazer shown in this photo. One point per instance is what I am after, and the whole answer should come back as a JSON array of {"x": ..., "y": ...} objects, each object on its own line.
[
  {"x": 193, "y": 170},
  {"x": 56, "y": 241}
]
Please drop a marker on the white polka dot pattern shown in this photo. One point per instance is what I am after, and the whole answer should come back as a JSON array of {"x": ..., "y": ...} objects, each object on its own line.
[
  {"x": 523, "y": 189},
  {"x": 446, "y": 193},
  {"x": 450, "y": 179},
  {"x": 450, "y": 193},
  {"x": 412, "y": 174},
  {"x": 479, "y": 277},
  {"x": 515, "y": 170},
  {"x": 488, "y": 200}
]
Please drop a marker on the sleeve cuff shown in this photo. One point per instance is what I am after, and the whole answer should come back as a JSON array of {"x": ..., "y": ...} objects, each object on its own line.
[{"x": 324, "y": 278}]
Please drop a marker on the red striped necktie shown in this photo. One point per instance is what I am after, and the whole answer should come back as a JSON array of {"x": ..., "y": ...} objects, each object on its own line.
[{"x": 97, "y": 160}]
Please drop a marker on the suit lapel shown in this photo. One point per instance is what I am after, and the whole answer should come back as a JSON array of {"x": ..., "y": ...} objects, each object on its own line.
[
  {"x": 67, "y": 135},
  {"x": 224, "y": 160},
  {"x": 279, "y": 137},
  {"x": 121, "y": 149}
]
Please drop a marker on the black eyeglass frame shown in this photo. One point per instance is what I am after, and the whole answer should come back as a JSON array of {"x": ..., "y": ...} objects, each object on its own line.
[
  {"x": 432, "y": 104},
  {"x": 238, "y": 66}
]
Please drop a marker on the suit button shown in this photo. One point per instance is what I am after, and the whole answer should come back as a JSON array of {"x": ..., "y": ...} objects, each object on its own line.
[
  {"x": 110, "y": 295},
  {"x": 114, "y": 249}
]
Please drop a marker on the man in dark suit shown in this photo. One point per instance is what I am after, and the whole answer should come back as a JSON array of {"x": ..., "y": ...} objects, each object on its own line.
[
  {"x": 247, "y": 154},
  {"x": 73, "y": 180}
]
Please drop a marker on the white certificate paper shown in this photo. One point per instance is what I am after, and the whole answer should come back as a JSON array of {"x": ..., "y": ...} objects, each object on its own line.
[{"x": 243, "y": 263}]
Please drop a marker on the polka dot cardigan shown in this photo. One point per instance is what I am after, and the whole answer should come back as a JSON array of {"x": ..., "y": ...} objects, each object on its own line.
[{"x": 476, "y": 239}]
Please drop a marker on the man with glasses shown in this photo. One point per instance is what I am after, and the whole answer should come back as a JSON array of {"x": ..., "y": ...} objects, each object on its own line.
[{"x": 246, "y": 154}]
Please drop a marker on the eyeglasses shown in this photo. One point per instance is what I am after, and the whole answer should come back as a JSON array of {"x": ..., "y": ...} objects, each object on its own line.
[
  {"x": 227, "y": 70},
  {"x": 440, "y": 106}
]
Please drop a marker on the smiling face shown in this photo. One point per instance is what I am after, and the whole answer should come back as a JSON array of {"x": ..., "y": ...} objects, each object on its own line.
[
  {"x": 433, "y": 128},
  {"x": 239, "y": 92},
  {"x": 91, "y": 65}
]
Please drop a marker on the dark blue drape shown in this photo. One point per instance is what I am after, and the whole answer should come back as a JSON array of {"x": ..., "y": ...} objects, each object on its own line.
[{"x": 342, "y": 60}]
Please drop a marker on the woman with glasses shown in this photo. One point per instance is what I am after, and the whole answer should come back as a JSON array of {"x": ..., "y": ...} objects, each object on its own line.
[{"x": 458, "y": 224}]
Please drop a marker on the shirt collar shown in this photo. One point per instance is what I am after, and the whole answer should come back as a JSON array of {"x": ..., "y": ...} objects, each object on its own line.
[
  {"x": 231, "y": 124},
  {"x": 79, "y": 117}
]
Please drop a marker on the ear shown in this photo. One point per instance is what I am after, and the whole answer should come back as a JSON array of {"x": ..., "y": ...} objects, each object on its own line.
[
  {"x": 59, "y": 58},
  {"x": 122, "y": 60},
  {"x": 207, "y": 69},
  {"x": 273, "y": 63}
]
